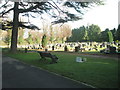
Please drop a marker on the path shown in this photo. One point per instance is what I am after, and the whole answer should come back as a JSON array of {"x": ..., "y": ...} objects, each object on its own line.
[
  {"x": 0, "y": 69},
  {"x": 18, "y": 75}
]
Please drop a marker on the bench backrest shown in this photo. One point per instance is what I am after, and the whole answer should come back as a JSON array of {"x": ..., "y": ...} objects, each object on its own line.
[{"x": 45, "y": 54}]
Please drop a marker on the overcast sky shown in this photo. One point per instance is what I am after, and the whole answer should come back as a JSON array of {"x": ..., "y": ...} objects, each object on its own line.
[{"x": 105, "y": 16}]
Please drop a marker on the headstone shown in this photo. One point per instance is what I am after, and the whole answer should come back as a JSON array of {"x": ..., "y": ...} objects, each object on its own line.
[
  {"x": 112, "y": 49},
  {"x": 77, "y": 49},
  {"x": 90, "y": 44},
  {"x": 65, "y": 48},
  {"x": 108, "y": 46},
  {"x": 100, "y": 46},
  {"x": 25, "y": 50},
  {"x": 46, "y": 49},
  {"x": 53, "y": 47},
  {"x": 60, "y": 45},
  {"x": 79, "y": 59},
  {"x": 118, "y": 47},
  {"x": 83, "y": 45},
  {"x": 95, "y": 46},
  {"x": 89, "y": 49}
]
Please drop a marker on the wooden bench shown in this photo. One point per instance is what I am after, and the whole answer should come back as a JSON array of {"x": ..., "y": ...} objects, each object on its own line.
[{"x": 44, "y": 54}]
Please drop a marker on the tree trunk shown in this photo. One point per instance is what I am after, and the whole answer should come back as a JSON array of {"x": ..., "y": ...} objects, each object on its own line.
[{"x": 15, "y": 28}]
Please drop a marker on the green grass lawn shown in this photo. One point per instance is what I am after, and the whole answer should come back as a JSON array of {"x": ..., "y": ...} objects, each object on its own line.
[{"x": 98, "y": 72}]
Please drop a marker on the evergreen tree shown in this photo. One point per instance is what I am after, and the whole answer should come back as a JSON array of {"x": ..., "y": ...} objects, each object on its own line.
[
  {"x": 44, "y": 41},
  {"x": 118, "y": 33},
  {"x": 89, "y": 33},
  {"x": 94, "y": 32},
  {"x": 110, "y": 36},
  {"x": 83, "y": 33},
  {"x": 104, "y": 36},
  {"x": 114, "y": 34},
  {"x": 86, "y": 38}
]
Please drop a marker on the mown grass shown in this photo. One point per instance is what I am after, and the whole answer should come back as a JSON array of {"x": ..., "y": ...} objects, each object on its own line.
[{"x": 98, "y": 72}]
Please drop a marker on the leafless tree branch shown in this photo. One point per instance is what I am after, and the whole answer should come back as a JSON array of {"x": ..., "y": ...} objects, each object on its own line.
[{"x": 3, "y": 13}]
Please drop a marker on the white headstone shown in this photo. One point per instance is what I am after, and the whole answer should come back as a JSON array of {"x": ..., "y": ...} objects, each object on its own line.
[{"x": 79, "y": 59}]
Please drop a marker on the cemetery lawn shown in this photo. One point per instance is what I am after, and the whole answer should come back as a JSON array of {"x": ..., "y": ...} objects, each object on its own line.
[{"x": 98, "y": 72}]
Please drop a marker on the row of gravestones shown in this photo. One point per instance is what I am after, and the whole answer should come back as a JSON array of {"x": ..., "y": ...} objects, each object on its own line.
[
  {"x": 57, "y": 46},
  {"x": 111, "y": 49},
  {"x": 79, "y": 45},
  {"x": 31, "y": 46},
  {"x": 86, "y": 45},
  {"x": 95, "y": 46}
]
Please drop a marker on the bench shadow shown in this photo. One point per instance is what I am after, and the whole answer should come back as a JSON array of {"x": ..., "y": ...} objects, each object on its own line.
[{"x": 44, "y": 61}]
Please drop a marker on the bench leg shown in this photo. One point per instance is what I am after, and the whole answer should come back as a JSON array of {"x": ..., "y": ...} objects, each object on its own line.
[{"x": 53, "y": 61}]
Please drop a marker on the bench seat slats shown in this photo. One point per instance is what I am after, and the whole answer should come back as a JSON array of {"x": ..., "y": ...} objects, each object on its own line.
[{"x": 44, "y": 54}]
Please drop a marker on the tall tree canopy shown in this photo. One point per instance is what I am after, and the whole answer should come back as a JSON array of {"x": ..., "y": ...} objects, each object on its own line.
[
  {"x": 118, "y": 33},
  {"x": 94, "y": 32},
  {"x": 104, "y": 35},
  {"x": 114, "y": 34},
  {"x": 28, "y": 8},
  {"x": 88, "y": 33},
  {"x": 79, "y": 34}
]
